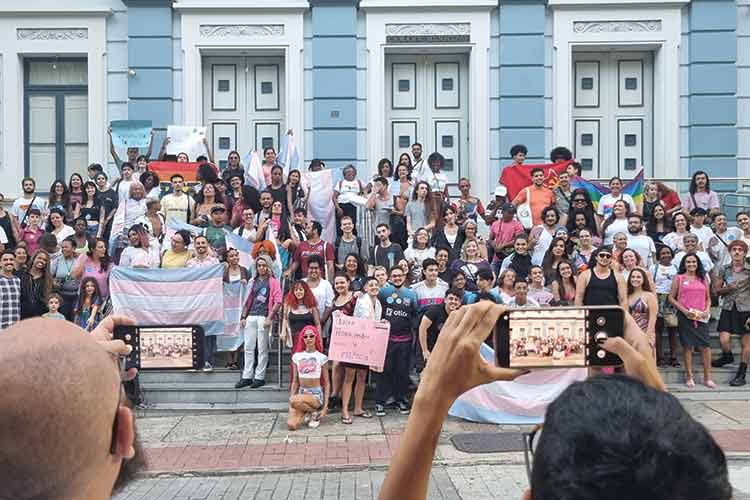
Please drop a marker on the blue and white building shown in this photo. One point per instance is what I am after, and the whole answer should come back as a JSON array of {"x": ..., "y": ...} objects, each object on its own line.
[{"x": 664, "y": 84}]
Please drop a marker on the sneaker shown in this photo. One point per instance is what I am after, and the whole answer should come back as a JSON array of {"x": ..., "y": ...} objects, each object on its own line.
[
  {"x": 380, "y": 410},
  {"x": 258, "y": 383},
  {"x": 314, "y": 421},
  {"x": 207, "y": 368},
  {"x": 403, "y": 407},
  {"x": 244, "y": 382}
]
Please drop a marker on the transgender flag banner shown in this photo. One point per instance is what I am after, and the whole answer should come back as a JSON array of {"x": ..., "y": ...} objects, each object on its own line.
[
  {"x": 188, "y": 296},
  {"x": 522, "y": 401}
]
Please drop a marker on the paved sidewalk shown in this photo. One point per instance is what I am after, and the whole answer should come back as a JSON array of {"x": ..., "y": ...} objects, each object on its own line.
[{"x": 260, "y": 442}]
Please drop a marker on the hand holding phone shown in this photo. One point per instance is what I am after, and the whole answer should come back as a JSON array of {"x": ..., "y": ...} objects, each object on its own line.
[
  {"x": 561, "y": 337},
  {"x": 178, "y": 347}
]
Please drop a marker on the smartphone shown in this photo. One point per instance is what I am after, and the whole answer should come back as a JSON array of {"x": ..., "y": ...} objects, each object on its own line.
[
  {"x": 178, "y": 347},
  {"x": 559, "y": 337}
]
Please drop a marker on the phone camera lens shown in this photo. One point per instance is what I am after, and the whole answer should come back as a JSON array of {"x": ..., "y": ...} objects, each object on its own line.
[
  {"x": 601, "y": 321},
  {"x": 601, "y": 353},
  {"x": 128, "y": 337},
  {"x": 600, "y": 337}
]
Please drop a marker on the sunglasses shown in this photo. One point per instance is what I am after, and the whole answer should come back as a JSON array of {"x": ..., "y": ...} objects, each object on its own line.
[
  {"x": 605, "y": 255},
  {"x": 579, "y": 200},
  {"x": 308, "y": 336}
]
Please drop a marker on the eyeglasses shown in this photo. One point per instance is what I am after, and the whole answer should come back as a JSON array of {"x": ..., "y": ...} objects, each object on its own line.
[{"x": 530, "y": 440}]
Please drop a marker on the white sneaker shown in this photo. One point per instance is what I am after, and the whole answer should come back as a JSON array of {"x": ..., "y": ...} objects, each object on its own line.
[
  {"x": 314, "y": 421},
  {"x": 207, "y": 368}
]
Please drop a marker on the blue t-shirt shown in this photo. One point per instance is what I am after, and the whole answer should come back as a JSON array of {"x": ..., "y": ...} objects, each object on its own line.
[{"x": 399, "y": 309}]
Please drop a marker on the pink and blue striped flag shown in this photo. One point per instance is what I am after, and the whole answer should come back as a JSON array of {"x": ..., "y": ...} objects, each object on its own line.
[
  {"x": 522, "y": 401},
  {"x": 187, "y": 296}
]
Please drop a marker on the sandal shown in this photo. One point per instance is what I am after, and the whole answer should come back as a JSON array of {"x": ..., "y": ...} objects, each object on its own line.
[
  {"x": 346, "y": 420},
  {"x": 364, "y": 414},
  {"x": 690, "y": 383},
  {"x": 709, "y": 383}
]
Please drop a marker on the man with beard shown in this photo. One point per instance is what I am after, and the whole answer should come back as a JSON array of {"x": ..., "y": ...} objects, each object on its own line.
[
  {"x": 640, "y": 242},
  {"x": 28, "y": 200},
  {"x": 68, "y": 432}
]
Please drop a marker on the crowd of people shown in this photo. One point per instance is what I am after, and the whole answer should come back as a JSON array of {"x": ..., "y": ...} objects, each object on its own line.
[{"x": 404, "y": 252}]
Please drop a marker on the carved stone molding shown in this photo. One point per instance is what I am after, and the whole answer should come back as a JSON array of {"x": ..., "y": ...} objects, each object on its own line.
[
  {"x": 52, "y": 34},
  {"x": 616, "y": 26},
  {"x": 241, "y": 30},
  {"x": 428, "y": 29}
]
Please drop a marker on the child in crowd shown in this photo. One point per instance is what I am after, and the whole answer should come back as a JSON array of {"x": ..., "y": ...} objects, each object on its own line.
[{"x": 54, "y": 303}]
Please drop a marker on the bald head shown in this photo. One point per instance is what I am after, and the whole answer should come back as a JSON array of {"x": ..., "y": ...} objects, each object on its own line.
[{"x": 60, "y": 394}]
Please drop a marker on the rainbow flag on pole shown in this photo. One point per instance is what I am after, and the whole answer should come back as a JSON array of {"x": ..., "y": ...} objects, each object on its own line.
[{"x": 595, "y": 190}]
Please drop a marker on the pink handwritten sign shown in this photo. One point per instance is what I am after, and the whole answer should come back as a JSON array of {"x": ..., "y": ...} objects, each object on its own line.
[{"x": 359, "y": 341}]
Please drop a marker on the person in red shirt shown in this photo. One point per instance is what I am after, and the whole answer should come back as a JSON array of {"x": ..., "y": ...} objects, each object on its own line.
[
  {"x": 312, "y": 246},
  {"x": 669, "y": 198},
  {"x": 539, "y": 196}
]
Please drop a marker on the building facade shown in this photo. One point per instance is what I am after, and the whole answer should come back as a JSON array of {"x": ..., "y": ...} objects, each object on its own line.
[{"x": 664, "y": 84}]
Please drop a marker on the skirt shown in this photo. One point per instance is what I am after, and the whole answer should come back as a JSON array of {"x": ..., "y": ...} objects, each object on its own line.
[
  {"x": 692, "y": 333},
  {"x": 734, "y": 321}
]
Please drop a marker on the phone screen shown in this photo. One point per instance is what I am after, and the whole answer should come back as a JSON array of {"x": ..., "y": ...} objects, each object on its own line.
[
  {"x": 547, "y": 338},
  {"x": 166, "y": 347}
]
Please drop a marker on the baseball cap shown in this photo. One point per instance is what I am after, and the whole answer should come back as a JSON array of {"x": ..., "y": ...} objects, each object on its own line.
[
  {"x": 508, "y": 207},
  {"x": 501, "y": 190},
  {"x": 218, "y": 208}
]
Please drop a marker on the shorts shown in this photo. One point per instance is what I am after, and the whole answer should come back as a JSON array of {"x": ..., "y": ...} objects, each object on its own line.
[
  {"x": 733, "y": 321},
  {"x": 313, "y": 391}
]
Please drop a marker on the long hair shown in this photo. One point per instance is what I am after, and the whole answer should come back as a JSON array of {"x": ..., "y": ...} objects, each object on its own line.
[
  {"x": 200, "y": 196},
  {"x": 699, "y": 271},
  {"x": 611, "y": 219},
  {"x": 652, "y": 221},
  {"x": 638, "y": 258},
  {"x": 82, "y": 293},
  {"x": 54, "y": 198},
  {"x": 409, "y": 166},
  {"x": 251, "y": 198},
  {"x": 588, "y": 208},
  {"x": 308, "y": 299},
  {"x": 561, "y": 281},
  {"x": 104, "y": 262},
  {"x": 361, "y": 268},
  {"x": 595, "y": 253},
  {"x": 47, "y": 282},
  {"x": 85, "y": 196},
  {"x": 381, "y": 164},
  {"x": 49, "y": 227},
  {"x": 694, "y": 187},
  {"x": 646, "y": 287},
  {"x": 70, "y": 181},
  {"x": 299, "y": 343},
  {"x": 674, "y": 219},
  {"x": 549, "y": 258}
]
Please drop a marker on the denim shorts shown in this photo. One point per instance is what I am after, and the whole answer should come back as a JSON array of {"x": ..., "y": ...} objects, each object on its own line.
[{"x": 313, "y": 391}]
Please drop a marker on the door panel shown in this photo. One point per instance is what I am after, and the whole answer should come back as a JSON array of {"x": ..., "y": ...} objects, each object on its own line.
[
  {"x": 428, "y": 103},
  {"x": 243, "y": 103},
  {"x": 613, "y": 113}
]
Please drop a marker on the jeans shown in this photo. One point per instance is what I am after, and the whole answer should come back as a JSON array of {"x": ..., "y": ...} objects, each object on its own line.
[
  {"x": 255, "y": 333},
  {"x": 209, "y": 349},
  {"x": 394, "y": 381}
]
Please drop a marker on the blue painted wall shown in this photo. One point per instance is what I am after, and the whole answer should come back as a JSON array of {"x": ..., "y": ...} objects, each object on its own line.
[
  {"x": 334, "y": 46},
  {"x": 712, "y": 84},
  {"x": 150, "y": 54},
  {"x": 521, "y": 89}
]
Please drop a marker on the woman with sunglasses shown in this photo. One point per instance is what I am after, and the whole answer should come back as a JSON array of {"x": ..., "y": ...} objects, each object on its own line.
[
  {"x": 581, "y": 200},
  {"x": 308, "y": 397},
  {"x": 600, "y": 285}
]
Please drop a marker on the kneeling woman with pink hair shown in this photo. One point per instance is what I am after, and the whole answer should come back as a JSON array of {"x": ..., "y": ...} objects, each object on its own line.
[{"x": 308, "y": 397}]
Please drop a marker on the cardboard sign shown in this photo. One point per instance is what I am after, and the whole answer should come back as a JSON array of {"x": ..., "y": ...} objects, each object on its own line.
[
  {"x": 359, "y": 341},
  {"x": 131, "y": 133}
]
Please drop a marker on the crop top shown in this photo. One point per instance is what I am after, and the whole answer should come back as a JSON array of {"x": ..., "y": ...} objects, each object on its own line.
[{"x": 309, "y": 364}]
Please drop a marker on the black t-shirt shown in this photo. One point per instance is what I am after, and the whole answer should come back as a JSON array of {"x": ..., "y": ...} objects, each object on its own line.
[
  {"x": 278, "y": 194},
  {"x": 387, "y": 257},
  {"x": 438, "y": 315},
  {"x": 108, "y": 199}
]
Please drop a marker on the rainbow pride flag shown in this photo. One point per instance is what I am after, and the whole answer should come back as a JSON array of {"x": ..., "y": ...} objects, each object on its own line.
[{"x": 596, "y": 190}]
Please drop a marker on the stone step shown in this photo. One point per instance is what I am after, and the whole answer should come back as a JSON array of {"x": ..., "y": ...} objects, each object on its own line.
[
  {"x": 209, "y": 393},
  {"x": 218, "y": 375}
]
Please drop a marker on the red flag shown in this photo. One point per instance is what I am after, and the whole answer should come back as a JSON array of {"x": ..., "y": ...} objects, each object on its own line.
[{"x": 517, "y": 177}]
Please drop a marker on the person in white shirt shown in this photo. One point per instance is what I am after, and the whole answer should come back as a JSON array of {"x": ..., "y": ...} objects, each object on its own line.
[
  {"x": 521, "y": 299},
  {"x": 321, "y": 288},
  {"x": 433, "y": 176},
  {"x": 722, "y": 237},
  {"x": 28, "y": 199},
  {"x": 640, "y": 242},
  {"x": 607, "y": 202},
  {"x": 704, "y": 233},
  {"x": 542, "y": 235},
  {"x": 247, "y": 230},
  {"x": 691, "y": 245}
]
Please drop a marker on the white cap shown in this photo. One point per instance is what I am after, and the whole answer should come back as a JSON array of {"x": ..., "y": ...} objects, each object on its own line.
[{"x": 501, "y": 190}]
